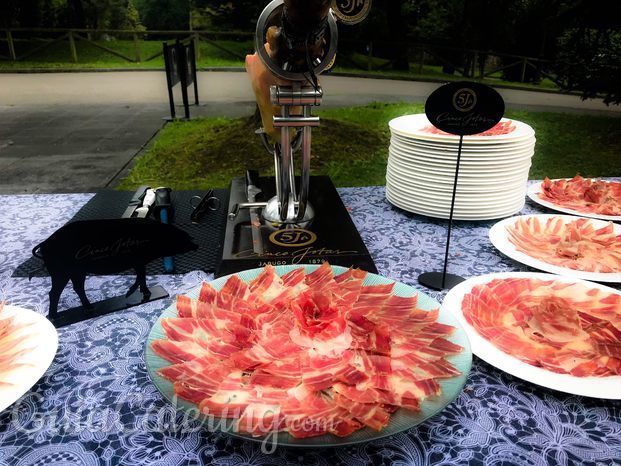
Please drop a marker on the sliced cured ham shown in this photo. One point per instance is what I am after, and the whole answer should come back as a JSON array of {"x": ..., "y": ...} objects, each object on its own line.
[
  {"x": 309, "y": 354},
  {"x": 16, "y": 342},
  {"x": 567, "y": 328},
  {"x": 577, "y": 245},
  {"x": 500, "y": 128},
  {"x": 583, "y": 195}
]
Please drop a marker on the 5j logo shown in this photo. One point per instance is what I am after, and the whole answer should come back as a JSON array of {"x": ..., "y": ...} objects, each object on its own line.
[
  {"x": 464, "y": 100},
  {"x": 293, "y": 238}
]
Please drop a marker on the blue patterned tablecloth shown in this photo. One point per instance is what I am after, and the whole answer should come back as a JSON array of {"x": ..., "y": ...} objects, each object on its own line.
[{"x": 97, "y": 406}]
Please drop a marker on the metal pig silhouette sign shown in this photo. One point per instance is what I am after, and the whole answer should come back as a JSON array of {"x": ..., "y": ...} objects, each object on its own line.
[
  {"x": 464, "y": 108},
  {"x": 107, "y": 247}
]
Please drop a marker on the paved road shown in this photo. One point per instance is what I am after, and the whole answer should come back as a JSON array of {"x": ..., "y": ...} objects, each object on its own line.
[
  {"x": 148, "y": 87},
  {"x": 65, "y": 132}
]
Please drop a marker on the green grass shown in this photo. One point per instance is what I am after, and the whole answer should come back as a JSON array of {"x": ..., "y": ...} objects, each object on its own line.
[
  {"x": 57, "y": 56},
  {"x": 351, "y": 146}
]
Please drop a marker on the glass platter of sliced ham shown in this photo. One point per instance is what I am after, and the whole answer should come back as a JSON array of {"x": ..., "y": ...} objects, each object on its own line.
[
  {"x": 588, "y": 197},
  {"x": 308, "y": 355},
  {"x": 28, "y": 344},
  {"x": 557, "y": 332},
  {"x": 562, "y": 244}
]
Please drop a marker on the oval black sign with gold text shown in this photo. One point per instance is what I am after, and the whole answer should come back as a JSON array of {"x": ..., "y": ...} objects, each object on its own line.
[
  {"x": 351, "y": 11},
  {"x": 294, "y": 237},
  {"x": 464, "y": 108}
]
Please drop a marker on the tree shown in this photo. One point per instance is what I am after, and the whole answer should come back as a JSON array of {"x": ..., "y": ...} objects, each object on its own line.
[
  {"x": 589, "y": 61},
  {"x": 164, "y": 14},
  {"x": 238, "y": 15},
  {"x": 588, "y": 56},
  {"x": 23, "y": 13},
  {"x": 97, "y": 14},
  {"x": 398, "y": 34}
]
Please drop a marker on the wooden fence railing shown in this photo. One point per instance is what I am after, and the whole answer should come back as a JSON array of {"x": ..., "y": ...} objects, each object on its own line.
[
  {"x": 87, "y": 35},
  {"x": 371, "y": 56},
  {"x": 469, "y": 63}
]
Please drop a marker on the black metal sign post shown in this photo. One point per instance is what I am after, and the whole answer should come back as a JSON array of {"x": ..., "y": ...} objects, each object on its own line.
[
  {"x": 183, "y": 64},
  {"x": 190, "y": 69},
  {"x": 172, "y": 74},
  {"x": 180, "y": 61},
  {"x": 461, "y": 108},
  {"x": 444, "y": 280}
]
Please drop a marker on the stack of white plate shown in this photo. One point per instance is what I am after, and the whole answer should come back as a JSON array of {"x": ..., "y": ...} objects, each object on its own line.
[{"x": 493, "y": 170}]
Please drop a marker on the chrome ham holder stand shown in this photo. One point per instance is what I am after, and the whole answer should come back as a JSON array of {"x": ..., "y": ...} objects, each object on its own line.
[
  {"x": 289, "y": 219},
  {"x": 302, "y": 219}
]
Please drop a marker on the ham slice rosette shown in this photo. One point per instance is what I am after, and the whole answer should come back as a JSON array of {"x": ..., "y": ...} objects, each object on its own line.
[
  {"x": 583, "y": 195},
  {"x": 308, "y": 354},
  {"x": 576, "y": 245},
  {"x": 568, "y": 328}
]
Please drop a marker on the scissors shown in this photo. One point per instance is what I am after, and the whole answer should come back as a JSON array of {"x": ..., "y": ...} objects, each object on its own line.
[{"x": 202, "y": 205}]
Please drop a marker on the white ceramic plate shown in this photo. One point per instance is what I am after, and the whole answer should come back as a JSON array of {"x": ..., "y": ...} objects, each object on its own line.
[
  {"x": 41, "y": 345},
  {"x": 410, "y": 126},
  {"x": 447, "y": 169},
  {"x": 597, "y": 387},
  {"x": 450, "y": 158},
  {"x": 500, "y": 239},
  {"x": 463, "y": 200},
  {"x": 533, "y": 194},
  {"x": 468, "y": 144},
  {"x": 458, "y": 214},
  {"x": 442, "y": 192},
  {"x": 440, "y": 200},
  {"x": 469, "y": 150},
  {"x": 494, "y": 170},
  {"x": 471, "y": 183},
  {"x": 478, "y": 212},
  {"x": 411, "y": 175}
]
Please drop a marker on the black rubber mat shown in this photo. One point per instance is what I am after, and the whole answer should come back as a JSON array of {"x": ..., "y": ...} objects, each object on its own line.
[{"x": 208, "y": 234}]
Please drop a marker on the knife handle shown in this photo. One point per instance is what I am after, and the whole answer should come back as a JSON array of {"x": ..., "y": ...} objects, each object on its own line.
[
  {"x": 135, "y": 201},
  {"x": 139, "y": 194},
  {"x": 252, "y": 178},
  {"x": 169, "y": 263},
  {"x": 163, "y": 202}
]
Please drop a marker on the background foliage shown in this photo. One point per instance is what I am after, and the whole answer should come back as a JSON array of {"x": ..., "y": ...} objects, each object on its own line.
[{"x": 581, "y": 38}]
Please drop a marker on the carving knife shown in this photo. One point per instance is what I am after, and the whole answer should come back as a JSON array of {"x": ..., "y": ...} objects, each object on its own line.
[{"x": 252, "y": 191}]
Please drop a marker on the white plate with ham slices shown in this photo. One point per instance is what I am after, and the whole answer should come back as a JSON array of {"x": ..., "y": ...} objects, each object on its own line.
[
  {"x": 282, "y": 362},
  {"x": 418, "y": 126},
  {"x": 28, "y": 344},
  {"x": 535, "y": 190},
  {"x": 562, "y": 244},
  {"x": 486, "y": 302}
]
